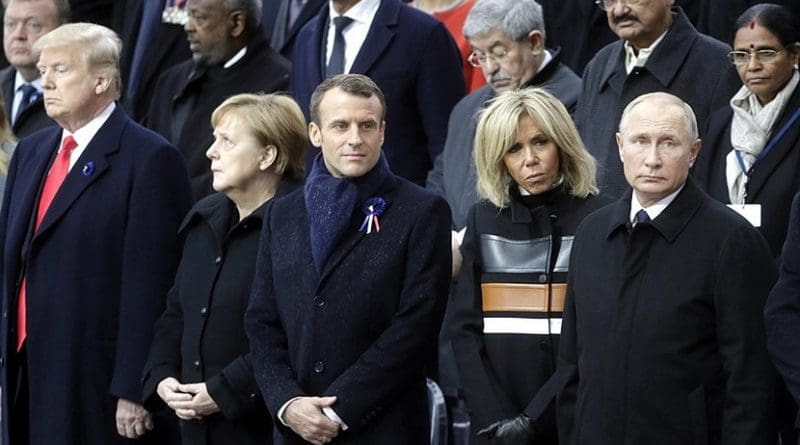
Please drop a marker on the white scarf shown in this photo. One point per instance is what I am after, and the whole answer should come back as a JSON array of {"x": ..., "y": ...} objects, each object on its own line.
[{"x": 751, "y": 128}]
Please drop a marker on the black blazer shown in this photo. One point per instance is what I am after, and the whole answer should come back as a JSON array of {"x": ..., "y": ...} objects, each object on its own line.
[
  {"x": 773, "y": 182},
  {"x": 32, "y": 118},
  {"x": 284, "y": 43}
]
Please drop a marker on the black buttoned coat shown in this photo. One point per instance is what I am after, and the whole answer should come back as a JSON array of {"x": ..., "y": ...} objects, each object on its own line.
[
  {"x": 664, "y": 331},
  {"x": 363, "y": 328},
  {"x": 200, "y": 337}
]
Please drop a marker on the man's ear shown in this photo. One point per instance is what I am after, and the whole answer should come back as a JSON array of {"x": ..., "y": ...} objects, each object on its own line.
[
  {"x": 102, "y": 84},
  {"x": 619, "y": 146},
  {"x": 694, "y": 151},
  {"x": 536, "y": 39},
  {"x": 238, "y": 23},
  {"x": 314, "y": 134}
]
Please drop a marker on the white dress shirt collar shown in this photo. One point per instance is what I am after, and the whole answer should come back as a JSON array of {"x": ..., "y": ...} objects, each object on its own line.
[
  {"x": 634, "y": 60},
  {"x": 654, "y": 210},
  {"x": 362, "y": 13},
  {"x": 236, "y": 57},
  {"x": 84, "y": 135}
]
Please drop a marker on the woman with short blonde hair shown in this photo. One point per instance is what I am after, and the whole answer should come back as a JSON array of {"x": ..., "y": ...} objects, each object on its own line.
[{"x": 538, "y": 183}]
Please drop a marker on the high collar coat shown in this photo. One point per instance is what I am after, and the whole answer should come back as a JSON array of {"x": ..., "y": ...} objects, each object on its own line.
[{"x": 364, "y": 326}]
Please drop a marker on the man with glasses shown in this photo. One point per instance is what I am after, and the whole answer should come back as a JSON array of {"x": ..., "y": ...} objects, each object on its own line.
[
  {"x": 24, "y": 22},
  {"x": 658, "y": 50}
]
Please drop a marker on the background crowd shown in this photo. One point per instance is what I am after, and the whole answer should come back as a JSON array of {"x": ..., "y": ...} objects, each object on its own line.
[{"x": 226, "y": 221}]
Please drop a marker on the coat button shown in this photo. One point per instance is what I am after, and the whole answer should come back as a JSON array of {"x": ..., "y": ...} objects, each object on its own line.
[
  {"x": 319, "y": 367},
  {"x": 2, "y": 361},
  {"x": 217, "y": 260},
  {"x": 203, "y": 310},
  {"x": 252, "y": 395},
  {"x": 543, "y": 278},
  {"x": 196, "y": 364},
  {"x": 5, "y": 314},
  {"x": 319, "y": 301}
]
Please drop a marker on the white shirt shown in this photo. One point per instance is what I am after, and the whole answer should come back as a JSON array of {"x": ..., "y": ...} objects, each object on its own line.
[
  {"x": 654, "y": 210},
  {"x": 354, "y": 35},
  {"x": 84, "y": 135},
  {"x": 633, "y": 60},
  {"x": 236, "y": 57},
  {"x": 18, "y": 82}
]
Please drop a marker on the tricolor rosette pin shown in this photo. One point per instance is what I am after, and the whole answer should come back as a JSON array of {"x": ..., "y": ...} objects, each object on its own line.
[{"x": 373, "y": 208}]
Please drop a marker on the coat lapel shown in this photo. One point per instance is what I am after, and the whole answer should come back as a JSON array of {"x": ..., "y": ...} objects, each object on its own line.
[
  {"x": 89, "y": 167},
  {"x": 778, "y": 153},
  {"x": 379, "y": 37}
]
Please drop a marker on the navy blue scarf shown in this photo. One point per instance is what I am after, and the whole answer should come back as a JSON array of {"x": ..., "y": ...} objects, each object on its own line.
[{"x": 332, "y": 204}]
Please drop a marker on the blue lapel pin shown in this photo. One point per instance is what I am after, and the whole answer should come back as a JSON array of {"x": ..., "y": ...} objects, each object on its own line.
[{"x": 88, "y": 169}]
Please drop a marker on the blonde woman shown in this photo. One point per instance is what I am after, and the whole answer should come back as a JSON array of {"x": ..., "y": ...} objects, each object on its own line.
[{"x": 537, "y": 182}]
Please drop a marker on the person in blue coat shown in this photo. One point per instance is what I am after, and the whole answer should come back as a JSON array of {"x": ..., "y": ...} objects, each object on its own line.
[
  {"x": 350, "y": 286},
  {"x": 88, "y": 235}
]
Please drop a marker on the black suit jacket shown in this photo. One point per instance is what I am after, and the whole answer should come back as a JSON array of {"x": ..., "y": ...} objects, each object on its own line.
[
  {"x": 32, "y": 118},
  {"x": 169, "y": 49},
  {"x": 271, "y": 12}
]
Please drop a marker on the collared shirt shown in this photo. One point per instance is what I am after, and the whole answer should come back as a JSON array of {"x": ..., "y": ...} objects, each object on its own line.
[
  {"x": 654, "y": 210},
  {"x": 236, "y": 57},
  {"x": 362, "y": 13},
  {"x": 18, "y": 82},
  {"x": 633, "y": 60},
  {"x": 548, "y": 57},
  {"x": 84, "y": 135}
]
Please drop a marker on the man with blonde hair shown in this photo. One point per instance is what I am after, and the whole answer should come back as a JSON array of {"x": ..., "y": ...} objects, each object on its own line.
[{"x": 89, "y": 248}]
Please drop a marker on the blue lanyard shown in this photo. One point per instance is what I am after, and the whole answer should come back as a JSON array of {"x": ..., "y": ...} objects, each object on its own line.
[{"x": 772, "y": 143}]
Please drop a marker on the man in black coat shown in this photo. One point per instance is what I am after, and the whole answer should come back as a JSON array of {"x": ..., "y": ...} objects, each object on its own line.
[
  {"x": 351, "y": 283},
  {"x": 21, "y": 84},
  {"x": 283, "y": 19},
  {"x": 658, "y": 50},
  {"x": 663, "y": 337},
  {"x": 229, "y": 56}
]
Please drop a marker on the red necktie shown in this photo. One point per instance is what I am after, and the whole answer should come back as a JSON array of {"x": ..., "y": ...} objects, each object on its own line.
[{"x": 58, "y": 171}]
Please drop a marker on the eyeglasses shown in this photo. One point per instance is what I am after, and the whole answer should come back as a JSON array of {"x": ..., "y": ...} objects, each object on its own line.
[
  {"x": 740, "y": 58},
  {"x": 605, "y": 5},
  {"x": 478, "y": 59}
]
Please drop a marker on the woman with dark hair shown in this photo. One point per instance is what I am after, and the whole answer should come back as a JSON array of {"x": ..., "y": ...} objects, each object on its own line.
[
  {"x": 199, "y": 364},
  {"x": 751, "y": 150},
  {"x": 537, "y": 182}
]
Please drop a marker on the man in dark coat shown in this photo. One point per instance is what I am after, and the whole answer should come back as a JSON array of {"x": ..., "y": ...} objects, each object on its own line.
[
  {"x": 283, "y": 19},
  {"x": 150, "y": 46},
  {"x": 351, "y": 283},
  {"x": 412, "y": 58},
  {"x": 25, "y": 22},
  {"x": 89, "y": 248},
  {"x": 229, "y": 56},
  {"x": 663, "y": 335},
  {"x": 658, "y": 50}
]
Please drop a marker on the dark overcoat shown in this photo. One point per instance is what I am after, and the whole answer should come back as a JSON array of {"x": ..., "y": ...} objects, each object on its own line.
[
  {"x": 187, "y": 94},
  {"x": 773, "y": 181},
  {"x": 200, "y": 336},
  {"x": 664, "y": 331},
  {"x": 505, "y": 353},
  {"x": 688, "y": 64},
  {"x": 363, "y": 328},
  {"x": 32, "y": 118},
  {"x": 98, "y": 270},
  {"x": 415, "y": 62}
]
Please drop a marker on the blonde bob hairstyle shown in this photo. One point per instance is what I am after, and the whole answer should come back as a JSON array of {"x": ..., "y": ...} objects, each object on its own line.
[
  {"x": 99, "y": 47},
  {"x": 273, "y": 119},
  {"x": 497, "y": 133}
]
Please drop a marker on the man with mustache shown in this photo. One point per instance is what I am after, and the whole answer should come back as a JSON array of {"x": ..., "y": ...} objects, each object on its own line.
[
  {"x": 658, "y": 50},
  {"x": 229, "y": 56}
]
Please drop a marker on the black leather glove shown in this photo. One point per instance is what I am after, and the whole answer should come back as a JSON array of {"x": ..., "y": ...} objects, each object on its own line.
[{"x": 518, "y": 430}]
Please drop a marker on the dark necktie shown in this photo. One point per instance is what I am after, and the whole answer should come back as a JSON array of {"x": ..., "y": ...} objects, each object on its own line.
[
  {"x": 58, "y": 172},
  {"x": 29, "y": 95},
  {"x": 336, "y": 63},
  {"x": 642, "y": 217}
]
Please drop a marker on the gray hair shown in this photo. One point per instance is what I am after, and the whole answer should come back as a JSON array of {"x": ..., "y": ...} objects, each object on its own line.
[
  {"x": 516, "y": 18},
  {"x": 688, "y": 113},
  {"x": 100, "y": 49},
  {"x": 251, "y": 8}
]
